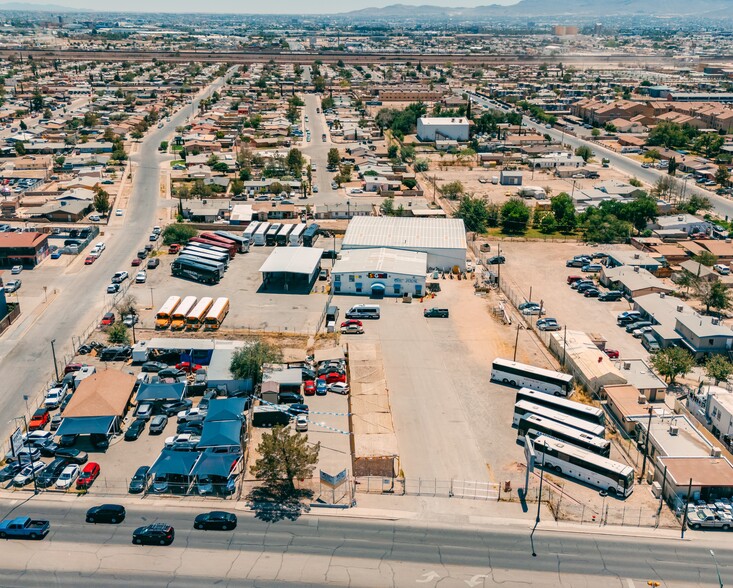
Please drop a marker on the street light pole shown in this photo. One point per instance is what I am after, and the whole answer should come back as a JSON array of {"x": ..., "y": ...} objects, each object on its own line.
[
  {"x": 717, "y": 569},
  {"x": 55, "y": 364},
  {"x": 539, "y": 505}
]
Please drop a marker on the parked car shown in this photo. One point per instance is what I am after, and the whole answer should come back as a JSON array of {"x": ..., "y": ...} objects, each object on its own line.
[
  {"x": 637, "y": 325},
  {"x": 108, "y": 319},
  {"x": 289, "y": 398},
  {"x": 339, "y": 388},
  {"x": 158, "y": 424},
  {"x": 113, "y": 288},
  {"x": 68, "y": 477},
  {"x": 216, "y": 520},
  {"x": 25, "y": 476},
  {"x": 321, "y": 386},
  {"x": 141, "y": 277},
  {"x": 55, "y": 396},
  {"x": 16, "y": 269},
  {"x": 611, "y": 296},
  {"x": 39, "y": 419},
  {"x": 116, "y": 353},
  {"x": 301, "y": 423},
  {"x": 612, "y": 353},
  {"x": 12, "y": 286},
  {"x": 51, "y": 473},
  {"x": 135, "y": 429},
  {"x": 581, "y": 289},
  {"x": 191, "y": 414},
  {"x": 548, "y": 324},
  {"x": 90, "y": 259},
  {"x": 153, "y": 263},
  {"x": 67, "y": 440},
  {"x": 120, "y": 277},
  {"x": 352, "y": 330},
  {"x": 592, "y": 268},
  {"x": 591, "y": 293},
  {"x": 309, "y": 388},
  {"x": 155, "y": 534},
  {"x": 350, "y": 322},
  {"x": 577, "y": 284},
  {"x": 436, "y": 313},
  {"x": 10, "y": 471},
  {"x": 139, "y": 480},
  {"x": 170, "y": 409},
  {"x": 496, "y": 260},
  {"x": 723, "y": 270},
  {"x": 628, "y": 316},
  {"x": 144, "y": 411},
  {"x": 533, "y": 310},
  {"x": 106, "y": 513},
  {"x": 88, "y": 474},
  {"x": 73, "y": 455},
  {"x": 573, "y": 279}
]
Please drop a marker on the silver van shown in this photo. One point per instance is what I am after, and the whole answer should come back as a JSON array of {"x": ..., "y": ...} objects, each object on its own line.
[{"x": 363, "y": 311}]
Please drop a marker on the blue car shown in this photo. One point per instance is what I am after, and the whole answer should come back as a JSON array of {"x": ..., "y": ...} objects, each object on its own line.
[
  {"x": 56, "y": 254},
  {"x": 321, "y": 387}
]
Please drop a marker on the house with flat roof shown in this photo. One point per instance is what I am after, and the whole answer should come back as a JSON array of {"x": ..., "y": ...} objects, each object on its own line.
[
  {"x": 711, "y": 477},
  {"x": 687, "y": 223},
  {"x": 672, "y": 435},
  {"x": 632, "y": 281},
  {"x": 626, "y": 404},
  {"x": 704, "y": 335},
  {"x": 634, "y": 259},
  {"x": 639, "y": 374}
]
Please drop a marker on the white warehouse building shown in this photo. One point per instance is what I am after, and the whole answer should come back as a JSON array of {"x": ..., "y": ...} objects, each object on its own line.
[
  {"x": 380, "y": 272},
  {"x": 436, "y": 128},
  {"x": 443, "y": 240}
]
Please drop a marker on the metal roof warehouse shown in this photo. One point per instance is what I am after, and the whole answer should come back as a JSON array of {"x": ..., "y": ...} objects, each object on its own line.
[{"x": 442, "y": 239}]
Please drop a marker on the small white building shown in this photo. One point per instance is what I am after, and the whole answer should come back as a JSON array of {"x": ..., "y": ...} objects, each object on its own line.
[
  {"x": 380, "y": 272},
  {"x": 435, "y": 128}
]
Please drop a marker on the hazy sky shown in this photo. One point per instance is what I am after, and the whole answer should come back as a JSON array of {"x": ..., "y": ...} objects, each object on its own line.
[{"x": 249, "y": 6}]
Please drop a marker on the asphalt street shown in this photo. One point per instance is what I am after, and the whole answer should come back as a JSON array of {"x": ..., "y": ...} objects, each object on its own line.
[
  {"x": 721, "y": 205},
  {"x": 327, "y": 550},
  {"x": 26, "y": 363}
]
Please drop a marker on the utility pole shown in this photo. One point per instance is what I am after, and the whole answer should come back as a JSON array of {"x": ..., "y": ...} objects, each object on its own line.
[
  {"x": 717, "y": 569},
  {"x": 516, "y": 342},
  {"x": 539, "y": 504},
  {"x": 687, "y": 504},
  {"x": 646, "y": 443},
  {"x": 55, "y": 364},
  {"x": 498, "y": 269}
]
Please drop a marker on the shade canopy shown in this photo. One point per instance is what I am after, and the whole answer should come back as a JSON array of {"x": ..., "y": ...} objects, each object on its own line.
[
  {"x": 221, "y": 434},
  {"x": 101, "y": 425}
]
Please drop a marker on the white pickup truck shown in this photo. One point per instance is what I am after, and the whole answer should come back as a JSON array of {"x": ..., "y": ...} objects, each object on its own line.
[{"x": 706, "y": 519}]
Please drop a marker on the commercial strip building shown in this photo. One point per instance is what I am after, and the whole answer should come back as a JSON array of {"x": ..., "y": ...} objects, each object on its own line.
[
  {"x": 442, "y": 240},
  {"x": 435, "y": 128},
  {"x": 380, "y": 272}
]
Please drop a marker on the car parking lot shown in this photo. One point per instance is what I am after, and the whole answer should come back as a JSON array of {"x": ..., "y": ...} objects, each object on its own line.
[{"x": 541, "y": 271}]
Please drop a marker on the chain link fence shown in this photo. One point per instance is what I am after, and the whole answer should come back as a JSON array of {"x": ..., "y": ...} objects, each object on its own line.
[{"x": 428, "y": 487}]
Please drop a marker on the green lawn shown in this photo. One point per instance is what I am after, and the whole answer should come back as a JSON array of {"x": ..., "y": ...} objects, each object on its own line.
[
  {"x": 534, "y": 234},
  {"x": 178, "y": 162}
]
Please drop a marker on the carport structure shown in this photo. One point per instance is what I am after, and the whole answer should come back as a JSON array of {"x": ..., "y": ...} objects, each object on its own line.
[
  {"x": 226, "y": 409},
  {"x": 98, "y": 405},
  {"x": 291, "y": 269},
  {"x": 176, "y": 467},
  {"x": 160, "y": 391},
  {"x": 225, "y": 434}
]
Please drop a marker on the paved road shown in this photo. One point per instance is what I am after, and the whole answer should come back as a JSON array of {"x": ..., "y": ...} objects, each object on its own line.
[
  {"x": 721, "y": 205},
  {"x": 25, "y": 354},
  {"x": 327, "y": 550}
]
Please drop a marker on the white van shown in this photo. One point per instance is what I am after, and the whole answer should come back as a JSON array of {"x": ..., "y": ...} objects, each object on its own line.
[{"x": 363, "y": 311}]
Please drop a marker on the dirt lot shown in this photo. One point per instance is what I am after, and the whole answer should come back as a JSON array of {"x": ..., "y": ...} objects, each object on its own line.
[{"x": 540, "y": 268}]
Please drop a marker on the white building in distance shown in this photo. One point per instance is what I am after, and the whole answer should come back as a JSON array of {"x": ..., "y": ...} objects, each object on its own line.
[{"x": 436, "y": 128}]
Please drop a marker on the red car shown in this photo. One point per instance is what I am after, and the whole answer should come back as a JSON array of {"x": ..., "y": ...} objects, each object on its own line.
[
  {"x": 573, "y": 279},
  {"x": 351, "y": 322},
  {"x": 87, "y": 476},
  {"x": 39, "y": 419},
  {"x": 90, "y": 260},
  {"x": 612, "y": 353},
  {"x": 173, "y": 249},
  {"x": 136, "y": 262},
  {"x": 108, "y": 319},
  {"x": 187, "y": 367},
  {"x": 309, "y": 388},
  {"x": 72, "y": 367},
  {"x": 332, "y": 377}
]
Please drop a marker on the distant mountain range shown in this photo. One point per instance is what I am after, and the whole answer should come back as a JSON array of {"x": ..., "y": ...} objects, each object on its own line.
[
  {"x": 29, "y": 7},
  {"x": 586, "y": 8}
]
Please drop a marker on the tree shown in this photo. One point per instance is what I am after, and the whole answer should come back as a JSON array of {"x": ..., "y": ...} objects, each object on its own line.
[
  {"x": 548, "y": 224},
  {"x": 474, "y": 213},
  {"x": 23, "y": 126},
  {"x": 585, "y": 152},
  {"x": 686, "y": 280},
  {"x": 514, "y": 216},
  {"x": 295, "y": 161},
  {"x": 718, "y": 369},
  {"x": 421, "y": 165},
  {"x": 237, "y": 187},
  {"x": 697, "y": 202},
  {"x": 452, "y": 190},
  {"x": 285, "y": 456},
  {"x": 653, "y": 154},
  {"x": 101, "y": 201},
  {"x": 117, "y": 334},
  {"x": 392, "y": 151},
  {"x": 672, "y": 166},
  {"x": 333, "y": 157},
  {"x": 596, "y": 132},
  {"x": 706, "y": 258},
  {"x": 409, "y": 183},
  {"x": 387, "y": 207},
  {"x": 563, "y": 211},
  {"x": 220, "y": 167},
  {"x": 716, "y": 296},
  {"x": 722, "y": 176},
  {"x": 640, "y": 211},
  {"x": 20, "y": 148},
  {"x": 636, "y": 182},
  {"x": 319, "y": 83},
  {"x": 163, "y": 146},
  {"x": 672, "y": 362},
  {"x": 178, "y": 233},
  {"x": 247, "y": 362}
]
